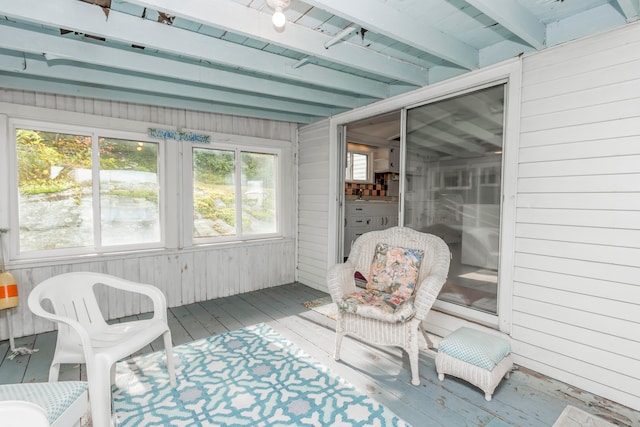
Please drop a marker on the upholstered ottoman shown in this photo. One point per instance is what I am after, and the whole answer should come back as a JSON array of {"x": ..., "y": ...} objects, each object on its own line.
[
  {"x": 63, "y": 403},
  {"x": 474, "y": 356}
]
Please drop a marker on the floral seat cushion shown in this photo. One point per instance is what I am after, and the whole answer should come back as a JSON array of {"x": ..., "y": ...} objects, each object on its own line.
[
  {"x": 394, "y": 270},
  {"x": 377, "y": 305},
  {"x": 388, "y": 295}
]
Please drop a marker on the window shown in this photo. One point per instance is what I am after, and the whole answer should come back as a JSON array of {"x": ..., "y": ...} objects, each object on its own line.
[
  {"x": 234, "y": 192},
  {"x": 82, "y": 191},
  {"x": 456, "y": 190},
  {"x": 358, "y": 166}
]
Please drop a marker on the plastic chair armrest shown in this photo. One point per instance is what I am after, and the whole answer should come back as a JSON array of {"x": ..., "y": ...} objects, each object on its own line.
[{"x": 35, "y": 307}]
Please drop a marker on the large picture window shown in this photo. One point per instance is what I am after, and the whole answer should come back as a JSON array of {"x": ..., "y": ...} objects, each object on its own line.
[
  {"x": 234, "y": 193},
  {"x": 85, "y": 191}
]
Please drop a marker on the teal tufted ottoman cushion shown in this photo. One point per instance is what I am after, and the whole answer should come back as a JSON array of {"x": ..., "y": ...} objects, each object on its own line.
[
  {"x": 54, "y": 398},
  {"x": 478, "y": 357},
  {"x": 475, "y": 347}
]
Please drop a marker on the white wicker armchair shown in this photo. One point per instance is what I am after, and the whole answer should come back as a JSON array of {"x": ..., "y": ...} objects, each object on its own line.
[{"x": 431, "y": 277}]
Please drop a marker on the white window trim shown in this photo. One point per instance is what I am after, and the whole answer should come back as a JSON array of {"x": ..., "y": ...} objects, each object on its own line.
[
  {"x": 236, "y": 143},
  {"x": 370, "y": 174},
  {"x": 94, "y": 133}
]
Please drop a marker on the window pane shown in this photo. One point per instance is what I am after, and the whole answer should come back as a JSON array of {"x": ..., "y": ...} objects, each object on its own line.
[
  {"x": 360, "y": 163},
  {"x": 258, "y": 193},
  {"x": 54, "y": 185},
  {"x": 453, "y": 188},
  {"x": 129, "y": 192},
  {"x": 214, "y": 197}
]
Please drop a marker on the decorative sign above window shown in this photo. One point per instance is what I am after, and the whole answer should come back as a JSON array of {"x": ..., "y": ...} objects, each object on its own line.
[{"x": 178, "y": 136}]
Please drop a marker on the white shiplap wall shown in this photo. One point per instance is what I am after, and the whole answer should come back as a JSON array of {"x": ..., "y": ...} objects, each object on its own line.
[
  {"x": 576, "y": 296},
  {"x": 184, "y": 275},
  {"x": 313, "y": 204}
]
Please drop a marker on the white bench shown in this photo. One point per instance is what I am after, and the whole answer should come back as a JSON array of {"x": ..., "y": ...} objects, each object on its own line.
[{"x": 475, "y": 356}]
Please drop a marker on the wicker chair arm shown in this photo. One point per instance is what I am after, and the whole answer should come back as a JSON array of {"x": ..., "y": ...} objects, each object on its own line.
[
  {"x": 432, "y": 285},
  {"x": 340, "y": 280}
]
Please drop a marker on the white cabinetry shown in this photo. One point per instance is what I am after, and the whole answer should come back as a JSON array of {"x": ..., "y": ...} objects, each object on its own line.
[
  {"x": 387, "y": 160},
  {"x": 361, "y": 217}
]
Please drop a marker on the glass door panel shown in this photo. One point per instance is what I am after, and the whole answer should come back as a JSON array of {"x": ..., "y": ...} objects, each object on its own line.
[{"x": 452, "y": 188}]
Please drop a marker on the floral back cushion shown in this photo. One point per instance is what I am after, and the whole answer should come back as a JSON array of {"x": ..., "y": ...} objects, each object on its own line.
[{"x": 394, "y": 270}]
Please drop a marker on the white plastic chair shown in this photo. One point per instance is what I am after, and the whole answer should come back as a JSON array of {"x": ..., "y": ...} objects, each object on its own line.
[
  {"x": 85, "y": 337},
  {"x": 18, "y": 413}
]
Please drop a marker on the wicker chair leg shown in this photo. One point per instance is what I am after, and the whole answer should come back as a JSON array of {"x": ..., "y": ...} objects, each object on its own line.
[
  {"x": 336, "y": 353},
  {"x": 425, "y": 335},
  {"x": 339, "y": 335},
  {"x": 414, "y": 351}
]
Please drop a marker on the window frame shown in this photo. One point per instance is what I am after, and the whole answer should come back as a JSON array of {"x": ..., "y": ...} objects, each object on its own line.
[
  {"x": 95, "y": 133},
  {"x": 370, "y": 173},
  {"x": 238, "y": 144}
]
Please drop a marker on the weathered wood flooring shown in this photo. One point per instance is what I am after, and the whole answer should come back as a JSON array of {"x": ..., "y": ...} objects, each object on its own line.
[{"x": 526, "y": 399}]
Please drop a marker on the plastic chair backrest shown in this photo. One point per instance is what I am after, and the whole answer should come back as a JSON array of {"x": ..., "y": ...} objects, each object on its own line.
[{"x": 72, "y": 296}]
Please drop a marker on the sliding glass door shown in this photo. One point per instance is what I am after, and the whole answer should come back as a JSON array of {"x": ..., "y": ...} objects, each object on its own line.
[{"x": 453, "y": 188}]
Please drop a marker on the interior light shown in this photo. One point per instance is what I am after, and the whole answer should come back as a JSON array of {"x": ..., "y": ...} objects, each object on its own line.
[{"x": 278, "y": 18}]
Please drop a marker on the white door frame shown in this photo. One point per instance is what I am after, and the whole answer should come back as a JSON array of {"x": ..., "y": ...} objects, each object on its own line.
[{"x": 508, "y": 71}]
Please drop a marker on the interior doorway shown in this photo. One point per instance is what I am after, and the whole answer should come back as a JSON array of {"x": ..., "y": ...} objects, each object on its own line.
[{"x": 371, "y": 176}]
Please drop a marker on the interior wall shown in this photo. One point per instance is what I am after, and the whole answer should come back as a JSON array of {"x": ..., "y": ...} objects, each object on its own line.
[
  {"x": 314, "y": 164},
  {"x": 184, "y": 275}
]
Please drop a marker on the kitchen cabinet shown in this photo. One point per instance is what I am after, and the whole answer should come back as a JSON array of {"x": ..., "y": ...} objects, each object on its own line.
[
  {"x": 365, "y": 216},
  {"x": 386, "y": 160}
]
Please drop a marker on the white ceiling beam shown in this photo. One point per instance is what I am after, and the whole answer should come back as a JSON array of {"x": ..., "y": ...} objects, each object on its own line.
[
  {"x": 89, "y": 19},
  {"x": 244, "y": 20},
  {"x": 378, "y": 17},
  {"x": 630, "y": 9},
  {"x": 62, "y": 70},
  {"x": 28, "y": 83},
  {"x": 28, "y": 41},
  {"x": 515, "y": 18}
]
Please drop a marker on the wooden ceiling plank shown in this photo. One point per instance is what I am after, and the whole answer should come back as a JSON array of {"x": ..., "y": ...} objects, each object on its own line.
[
  {"x": 630, "y": 9},
  {"x": 18, "y": 82},
  {"x": 111, "y": 78},
  {"x": 82, "y": 17},
  {"x": 513, "y": 16},
  {"x": 380, "y": 18},
  {"x": 244, "y": 20},
  {"x": 28, "y": 41}
]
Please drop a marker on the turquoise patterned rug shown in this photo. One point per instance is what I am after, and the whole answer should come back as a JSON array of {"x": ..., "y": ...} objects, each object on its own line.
[{"x": 249, "y": 377}]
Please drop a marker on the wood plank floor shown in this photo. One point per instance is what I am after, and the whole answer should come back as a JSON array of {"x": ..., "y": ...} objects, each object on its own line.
[{"x": 526, "y": 399}]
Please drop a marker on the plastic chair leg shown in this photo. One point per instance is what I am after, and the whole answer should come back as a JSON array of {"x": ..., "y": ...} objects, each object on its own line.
[
  {"x": 100, "y": 395},
  {"x": 168, "y": 349},
  {"x": 54, "y": 372}
]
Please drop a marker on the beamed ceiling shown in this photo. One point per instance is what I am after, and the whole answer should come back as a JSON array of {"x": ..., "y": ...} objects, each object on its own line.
[{"x": 225, "y": 56}]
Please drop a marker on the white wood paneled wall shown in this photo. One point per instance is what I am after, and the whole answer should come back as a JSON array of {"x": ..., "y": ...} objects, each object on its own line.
[
  {"x": 576, "y": 304},
  {"x": 185, "y": 276},
  {"x": 313, "y": 204}
]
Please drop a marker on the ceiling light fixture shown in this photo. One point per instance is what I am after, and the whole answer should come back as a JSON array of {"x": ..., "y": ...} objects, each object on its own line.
[{"x": 278, "y": 18}]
